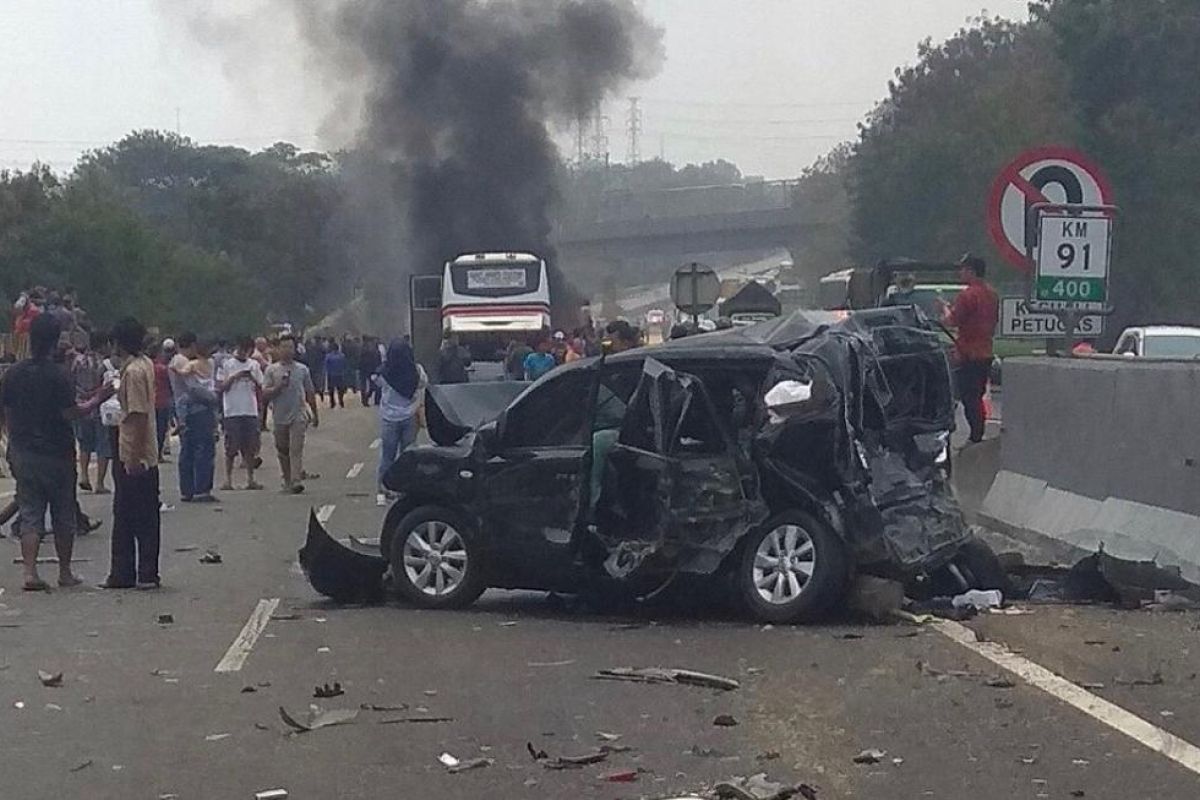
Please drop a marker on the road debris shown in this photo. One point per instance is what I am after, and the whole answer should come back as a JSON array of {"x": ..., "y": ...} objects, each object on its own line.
[
  {"x": 627, "y": 776},
  {"x": 216, "y": 737},
  {"x": 870, "y": 756},
  {"x": 758, "y": 787},
  {"x": 319, "y": 719},
  {"x": 448, "y": 760},
  {"x": 704, "y": 752},
  {"x": 978, "y": 599},
  {"x": 325, "y": 691},
  {"x": 565, "y": 663},
  {"x": 607, "y": 737},
  {"x": 166, "y": 619},
  {"x": 51, "y": 679},
  {"x": 535, "y": 753},
  {"x": 378, "y": 707},
  {"x": 272, "y": 794},
  {"x": 473, "y": 763},
  {"x": 770, "y": 755},
  {"x": 725, "y": 721},
  {"x": 576, "y": 762},
  {"x": 414, "y": 720},
  {"x": 285, "y": 617},
  {"x": 1155, "y": 679},
  {"x": 248, "y": 690},
  {"x": 210, "y": 557},
  {"x": 187, "y": 548},
  {"x": 1000, "y": 682},
  {"x": 685, "y": 677}
]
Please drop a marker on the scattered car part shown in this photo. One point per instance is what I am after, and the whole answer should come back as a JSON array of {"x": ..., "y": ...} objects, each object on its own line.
[{"x": 685, "y": 677}]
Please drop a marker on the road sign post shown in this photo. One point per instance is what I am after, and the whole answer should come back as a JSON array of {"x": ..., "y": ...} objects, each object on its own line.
[
  {"x": 1070, "y": 250},
  {"x": 695, "y": 289},
  {"x": 1066, "y": 261}
]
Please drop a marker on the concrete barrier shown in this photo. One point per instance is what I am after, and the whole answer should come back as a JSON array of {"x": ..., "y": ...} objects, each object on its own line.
[{"x": 1101, "y": 451}]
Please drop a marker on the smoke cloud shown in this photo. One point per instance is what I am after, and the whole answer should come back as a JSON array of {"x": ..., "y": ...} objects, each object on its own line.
[{"x": 454, "y": 104}]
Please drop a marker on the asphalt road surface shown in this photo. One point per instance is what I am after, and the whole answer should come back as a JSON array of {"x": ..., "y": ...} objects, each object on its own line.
[{"x": 142, "y": 713}]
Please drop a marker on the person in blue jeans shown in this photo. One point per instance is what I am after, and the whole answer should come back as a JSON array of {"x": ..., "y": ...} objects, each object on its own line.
[
  {"x": 401, "y": 381},
  {"x": 198, "y": 426}
]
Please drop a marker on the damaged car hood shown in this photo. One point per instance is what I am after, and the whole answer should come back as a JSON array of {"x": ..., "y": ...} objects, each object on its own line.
[{"x": 453, "y": 410}]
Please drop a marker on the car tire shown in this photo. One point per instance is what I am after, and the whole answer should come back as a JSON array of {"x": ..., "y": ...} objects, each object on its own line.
[
  {"x": 808, "y": 585},
  {"x": 435, "y": 559}
]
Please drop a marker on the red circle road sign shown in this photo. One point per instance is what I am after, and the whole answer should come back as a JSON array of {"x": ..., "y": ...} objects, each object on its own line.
[{"x": 1040, "y": 175}]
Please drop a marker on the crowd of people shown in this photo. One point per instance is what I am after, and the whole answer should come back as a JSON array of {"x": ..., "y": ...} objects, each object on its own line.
[{"x": 84, "y": 409}]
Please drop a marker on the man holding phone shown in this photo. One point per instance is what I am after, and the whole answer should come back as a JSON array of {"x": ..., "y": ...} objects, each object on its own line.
[
  {"x": 288, "y": 387},
  {"x": 239, "y": 380}
]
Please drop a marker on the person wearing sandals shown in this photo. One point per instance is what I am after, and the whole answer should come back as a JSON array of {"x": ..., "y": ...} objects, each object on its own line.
[
  {"x": 239, "y": 381},
  {"x": 37, "y": 406}
]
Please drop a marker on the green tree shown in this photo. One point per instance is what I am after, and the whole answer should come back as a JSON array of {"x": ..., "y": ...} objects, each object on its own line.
[{"x": 921, "y": 170}]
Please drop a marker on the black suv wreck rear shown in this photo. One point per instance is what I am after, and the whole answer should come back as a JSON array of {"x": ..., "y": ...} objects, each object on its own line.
[{"x": 783, "y": 457}]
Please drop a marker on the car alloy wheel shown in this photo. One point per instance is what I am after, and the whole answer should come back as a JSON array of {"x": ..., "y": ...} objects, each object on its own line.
[
  {"x": 435, "y": 558},
  {"x": 784, "y": 563}
]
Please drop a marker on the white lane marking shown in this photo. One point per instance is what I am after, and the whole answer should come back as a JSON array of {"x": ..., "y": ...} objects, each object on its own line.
[
  {"x": 375, "y": 444},
  {"x": 1178, "y": 750},
  {"x": 239, "y": 651},
  {"x": 325, "y": 512},
  {"x": 353, "y": 473}
]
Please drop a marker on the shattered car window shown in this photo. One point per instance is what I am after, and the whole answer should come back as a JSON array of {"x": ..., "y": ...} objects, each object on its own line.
[
  {"x": 616, "y": 389},
  {"x": 552, "y": 415}
]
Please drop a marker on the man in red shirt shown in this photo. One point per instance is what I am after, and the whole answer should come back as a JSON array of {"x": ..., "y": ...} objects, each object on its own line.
[{"x": 975, "y": 313}]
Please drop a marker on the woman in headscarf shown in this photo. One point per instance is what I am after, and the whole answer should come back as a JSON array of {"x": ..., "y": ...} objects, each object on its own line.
[{"x": 402, "y": 383}]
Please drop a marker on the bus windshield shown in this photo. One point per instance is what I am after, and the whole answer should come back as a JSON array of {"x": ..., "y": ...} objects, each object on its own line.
[{"x": 495, "y": 280}]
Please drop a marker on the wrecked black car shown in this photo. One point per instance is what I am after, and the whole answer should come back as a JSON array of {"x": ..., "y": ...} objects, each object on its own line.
[{"x": 780, "y": 458}]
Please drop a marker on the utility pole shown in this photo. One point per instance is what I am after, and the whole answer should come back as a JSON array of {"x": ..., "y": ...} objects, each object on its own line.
[
  {"x": 580, "y": 140},
  {"x": 599, "y": 137},
  {"x": 634, "y": 128}
]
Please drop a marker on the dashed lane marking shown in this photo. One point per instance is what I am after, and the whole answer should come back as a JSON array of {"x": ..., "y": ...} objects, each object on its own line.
[
  {"x": 1178, "y": 750},
  {"x": 375, "y": 444},
  {"x": 239, "y": 651},
  {"x": 354, "y": 470},
  {"x": 325, "y": 512}
]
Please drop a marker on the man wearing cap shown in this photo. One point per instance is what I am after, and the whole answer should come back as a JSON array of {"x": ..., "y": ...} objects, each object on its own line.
[{"x": 975, "y": 313}]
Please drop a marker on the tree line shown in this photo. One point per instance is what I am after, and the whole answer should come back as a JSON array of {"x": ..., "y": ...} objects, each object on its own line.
[{"x": 1115, "y": 79}]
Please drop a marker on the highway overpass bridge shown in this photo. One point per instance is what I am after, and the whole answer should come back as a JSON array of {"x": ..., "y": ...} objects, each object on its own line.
[{"x": 638, "y": 237}]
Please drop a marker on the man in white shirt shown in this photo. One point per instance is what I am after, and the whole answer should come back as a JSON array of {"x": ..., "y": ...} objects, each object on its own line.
[{"x": 239, "y": 380}]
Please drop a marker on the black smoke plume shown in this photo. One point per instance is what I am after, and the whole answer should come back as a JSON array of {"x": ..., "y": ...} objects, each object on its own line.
[{"x": 458, "y": 100}]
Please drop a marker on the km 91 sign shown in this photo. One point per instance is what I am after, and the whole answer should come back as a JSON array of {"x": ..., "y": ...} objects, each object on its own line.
[{"x": 1072, "y": 257}]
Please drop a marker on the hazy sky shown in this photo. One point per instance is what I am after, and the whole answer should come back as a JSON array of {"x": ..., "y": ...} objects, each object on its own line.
[{"x": 769, "y": 84}]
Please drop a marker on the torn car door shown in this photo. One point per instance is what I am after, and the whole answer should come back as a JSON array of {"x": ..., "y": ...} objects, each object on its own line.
[
  {"x": 533, "y": 479},
  {"x": 672, "y": 498}
]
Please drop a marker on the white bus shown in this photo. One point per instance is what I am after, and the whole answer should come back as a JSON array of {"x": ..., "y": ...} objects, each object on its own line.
[{"x": 489, "y": 299}]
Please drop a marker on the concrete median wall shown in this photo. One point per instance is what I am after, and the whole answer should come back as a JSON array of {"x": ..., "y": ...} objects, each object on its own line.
[{"x": 1102, "y": 451}]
